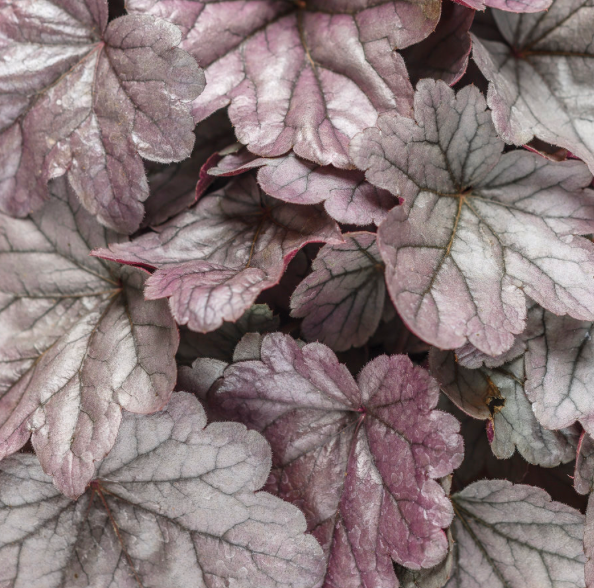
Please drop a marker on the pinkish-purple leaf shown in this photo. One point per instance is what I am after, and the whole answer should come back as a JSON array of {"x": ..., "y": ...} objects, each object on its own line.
[
  {"x": 509, "y": 5},
  {"x": 478, "y": 230},
  {"x": 342, "y": 300},
  {"x": 514, "y": 536},
  {"x": 542, "y": 76},
  {"x": 88, "y": 100},
  {"x": 583, "y": 479},
  {"x": 299, "y": 75},
  {"x": 175, "y": 504},
  {"x": 360, "y": 458},
  {"x": 498, "y": 395},
  {"x": 78, "y": 342},
  {"x": 213, "y": 260},
  {"x": 347, "y": 197},
  {"x": 174, "y": 187},
  {"x": 444, "y": 54}
]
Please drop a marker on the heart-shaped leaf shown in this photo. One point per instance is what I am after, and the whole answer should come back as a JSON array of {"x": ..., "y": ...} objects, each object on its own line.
[
  {"x": 174, "y": 504},
  {"x": 87, "y": 99},
  {"x": 77, "y": 341}
]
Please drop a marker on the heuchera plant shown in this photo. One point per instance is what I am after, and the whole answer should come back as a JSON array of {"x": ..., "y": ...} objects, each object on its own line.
[{"x": 296, "y": 294}]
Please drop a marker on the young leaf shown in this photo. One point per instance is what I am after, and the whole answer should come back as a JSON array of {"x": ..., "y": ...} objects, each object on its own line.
[
  {"x": 347, "y": 197},
  {"x": 77, "y": 341},
  {"x": 444, "y": 54},
  {"x": 515, "y": 536},
  {"x": 498, "y": 395},
  {"x": 87, "y": 99},
  {"x": 478, "y": 231},
  {"x": 542, "y": 78},
  {"x": 213, "y": 260},
  {"x": 300, "y": 75},
  {"x": 174, "y": 504},
  {"x": 337, "y": 445},
  {"x": 342, "y": 300}
]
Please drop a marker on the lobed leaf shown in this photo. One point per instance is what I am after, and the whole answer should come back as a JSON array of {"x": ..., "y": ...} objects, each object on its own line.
[
  {"x": 174, "y": 504},
  {"x": 77, "y": 342},
  {"x": 214, "y": 260},
  {"x": 478, "y": 230},
  {"x": 87, "y": 100}
]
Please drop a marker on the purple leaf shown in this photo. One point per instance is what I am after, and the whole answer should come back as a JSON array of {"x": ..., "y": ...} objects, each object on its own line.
[
  {"x": 342, "y": 300},
  {"x": 347, "y": 197},
  {"x": 444, "y": 54},
  {"x": 77, "y": 342},
  {"x": 509, "y": 5},
  {"x": 541, "y": 79},
  {"x": 297, "y": 75},
  {"x": 88, "y": 100},
  {"x": 337, "y": 444},
  {"x": 173, "y": 187},
  {"x": 213, "y": 260},
  {"x": 498, "y": 395},
  {"x": 477, "y": 231},
  {"x": 174, "y": 504},
  {"x": 559, "y": 374},
  {"x": 584, "y": 465},
  {"x": 515, "y": 536}
]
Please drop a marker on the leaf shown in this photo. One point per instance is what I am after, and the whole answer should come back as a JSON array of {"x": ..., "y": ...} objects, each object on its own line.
[
  {"x": 347, "y": 197},
  {"x": 297, "y": 75},
  {"x": 174, "y": 187},
  {"x": 336, "y": 446},
  {"x": 514, "y": 536},
  {"x": 221, "y": 343},
  {"x": 341, "y": 301},
  {"x": 509, "y": 5},
  {"x": 584, "y": 465},
  {"x": 498, "y": 395},
  {"x": 444, "y": 54},
  {"x": 559, "y": 373},
  {"x": 477, "y": 231},
  {"x": 213, "y": 260},
  {"x": 77, "y": 342},
  {"x": 86, "y": 99},
  {"x": 589, "y": 544},
  {"x": 541, "y": 78},
  {"x": 174, "y": 504}
]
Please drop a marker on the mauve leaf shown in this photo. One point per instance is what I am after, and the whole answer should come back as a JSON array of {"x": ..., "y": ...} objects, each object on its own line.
[
  {"x": 213, "y": 260},
  {"x": 88, "y": 100},
  {"x": 589, "y": 542},
  {"x": 509, "y": 5},
  {"x": 444, "y": 54},
  {"x": 347, "y": 197},
  {"x": 173, "y": 187},
  {"x": 499, "y": 395},
  {"x": 174, "y": 504},
  {"x": 584, "y": 465},
  {"x": 77, "y": 341},
  {"x": 514, "y": 536},
  {"x": 470, "y": 357},
  {"x": 305, "y": 76},
  {"x": 559, "y": 375},
  {"x": 342, "y": 300},
  {"x": 221, "y": 343},
  {"x": 477, "y": 231},
  {"x": 542, "y": 78},
  {"x": 337, "y": 445}
]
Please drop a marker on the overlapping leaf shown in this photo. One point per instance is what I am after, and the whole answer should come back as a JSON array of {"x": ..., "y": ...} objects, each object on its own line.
[
  {"x": 342, "y": 300},
  {"x": 477, "y": 230},
  {"x": 214, "y": 260},
  {"x": 498, "y": 394},
  {"x": 347, "y": 197},
  {"x": 542, "y": 77},
  {"x": 359, "y": 458},
  {"x": 583, "y": 478},
  {"x": 77, "y": 341},
  {"x": 515, "y": 536},
  {"x": 509, "y": 5},
  {"x": 174, "y": 504},
  {"x": 300, "y": 75},
  {"x": 86, "y": 99}
]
